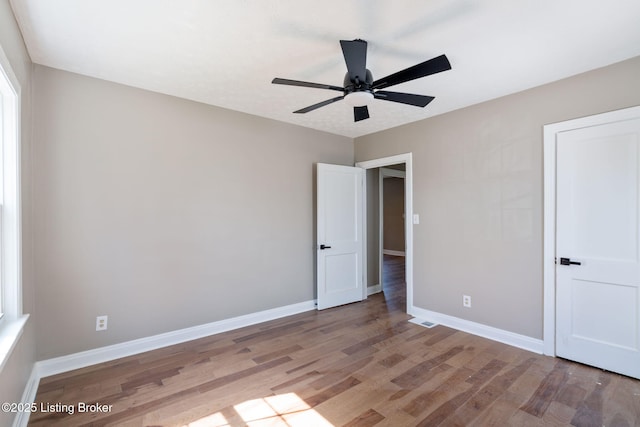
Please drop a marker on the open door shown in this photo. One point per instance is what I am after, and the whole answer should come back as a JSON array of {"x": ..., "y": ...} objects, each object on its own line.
[{"x": 339, "y": 235}]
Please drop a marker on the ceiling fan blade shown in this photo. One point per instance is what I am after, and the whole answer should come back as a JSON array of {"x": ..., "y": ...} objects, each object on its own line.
[
  {"x": 360, "y": 113},
  {"x": 404, "y": 98},
  {"x": 426, "y": 68},
  {"x": 318, "y": 105},
  {"x": 355, "y": 56},
  {"x": 279, "y": 81}
]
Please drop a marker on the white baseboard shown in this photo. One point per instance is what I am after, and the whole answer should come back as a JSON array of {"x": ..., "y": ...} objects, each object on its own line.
[
  {"x": 70, "y": 362},
  {"x": 374, "y": 289},
  {"x": 495, "y": 334},
  {"x": 392, "y": 252},
  {"x": 28, "y": 396}
]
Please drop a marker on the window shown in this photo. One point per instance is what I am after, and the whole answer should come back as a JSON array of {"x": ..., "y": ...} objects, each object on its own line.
[
  {"x": 11, "y": 318},
  {"x": 2, "y": 126}
]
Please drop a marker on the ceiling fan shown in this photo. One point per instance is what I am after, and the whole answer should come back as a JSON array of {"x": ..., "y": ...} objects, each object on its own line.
[{"x": 360, "y": 88}]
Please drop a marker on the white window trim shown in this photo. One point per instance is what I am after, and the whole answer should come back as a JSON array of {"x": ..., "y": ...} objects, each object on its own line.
[{"x": 13, "y": 320}]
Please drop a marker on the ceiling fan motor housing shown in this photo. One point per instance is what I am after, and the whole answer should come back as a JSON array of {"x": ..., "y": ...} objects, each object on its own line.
[{"x": 358, "y": 85}]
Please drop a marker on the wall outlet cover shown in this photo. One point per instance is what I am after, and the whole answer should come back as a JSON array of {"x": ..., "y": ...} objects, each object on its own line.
[
  {"x": 101, "y": 323},
  {"x": 466, "y": 301}
]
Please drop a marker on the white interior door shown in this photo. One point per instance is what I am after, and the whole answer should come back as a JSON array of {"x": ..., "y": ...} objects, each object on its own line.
[
  {"x": 339, "y": 235},
  {"x": 597, "y": 246}
]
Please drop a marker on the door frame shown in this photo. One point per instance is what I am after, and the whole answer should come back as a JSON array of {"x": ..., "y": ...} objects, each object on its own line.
[
  {"x": 408, "y": 217},
  {"x": 549, "y": 215}
]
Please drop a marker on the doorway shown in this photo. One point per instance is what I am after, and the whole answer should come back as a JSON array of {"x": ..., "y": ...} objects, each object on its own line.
[
  {"x": 374, "y": 250},
  {"x": 391, "y": 233}
]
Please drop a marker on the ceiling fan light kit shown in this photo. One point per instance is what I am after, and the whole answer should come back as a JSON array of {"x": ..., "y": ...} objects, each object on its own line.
[
  {"x": 358, "y": 99},
  {"x": 360, "y": 89}
]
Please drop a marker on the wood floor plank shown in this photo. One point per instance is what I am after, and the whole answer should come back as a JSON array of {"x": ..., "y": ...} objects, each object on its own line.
[
  {"x": 487, "y": 372},
  {"x": 468, "y": 405},
  {"x": 499, "y": 412},
  {"x": 332, "y": 391},
  {"x": 547, "y": 391},
  {"x": 361, "y": 364},
  {"x": 440, "y": 394},
  {"x": 622, "y": 406},
  {"x": 589, "y": 412},
  {"x": 558, "y": 413},
  {"x": 366, "y": 419},
  {"x": 420, "y": 373},
  {"x": 337, "y": 372}
]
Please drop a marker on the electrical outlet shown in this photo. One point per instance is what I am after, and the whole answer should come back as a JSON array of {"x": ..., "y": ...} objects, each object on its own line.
[
  {"x": 466, "y": 301},
  {"x": 101, "y": 323}
]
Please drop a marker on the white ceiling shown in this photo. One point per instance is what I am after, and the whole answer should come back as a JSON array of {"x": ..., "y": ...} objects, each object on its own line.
[{"x": 226, "y": 52}]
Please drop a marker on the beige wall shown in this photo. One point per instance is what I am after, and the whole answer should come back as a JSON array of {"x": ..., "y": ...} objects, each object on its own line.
[
  {"x": 15, "y": 373},
  {"x": 164, "y": 213},
  {"x": 478, "y": 189}
]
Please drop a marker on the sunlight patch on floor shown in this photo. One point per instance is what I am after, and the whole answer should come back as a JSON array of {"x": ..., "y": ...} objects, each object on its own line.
[
  {"x": 283, "y": 410},
  {"x": 214, "y": 420}
]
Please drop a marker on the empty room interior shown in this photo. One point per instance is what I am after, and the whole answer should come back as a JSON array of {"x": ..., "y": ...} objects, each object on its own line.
[{"x": 294, "y": 213}]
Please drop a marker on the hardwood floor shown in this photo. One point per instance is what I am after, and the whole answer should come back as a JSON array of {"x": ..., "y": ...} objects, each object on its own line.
[{"x": 357, "y": 365}]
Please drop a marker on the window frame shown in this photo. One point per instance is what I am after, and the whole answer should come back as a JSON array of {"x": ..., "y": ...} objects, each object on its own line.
[{"x": 12, "y": 320}]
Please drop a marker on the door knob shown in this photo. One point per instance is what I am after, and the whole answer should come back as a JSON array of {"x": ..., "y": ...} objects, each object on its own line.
[
  {"x": 567, "y": 261},
  {"x": 325, "y": 247}
]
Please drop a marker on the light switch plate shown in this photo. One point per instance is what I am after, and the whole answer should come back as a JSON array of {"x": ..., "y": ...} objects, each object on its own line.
[{"x": 416, "y": 219}]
